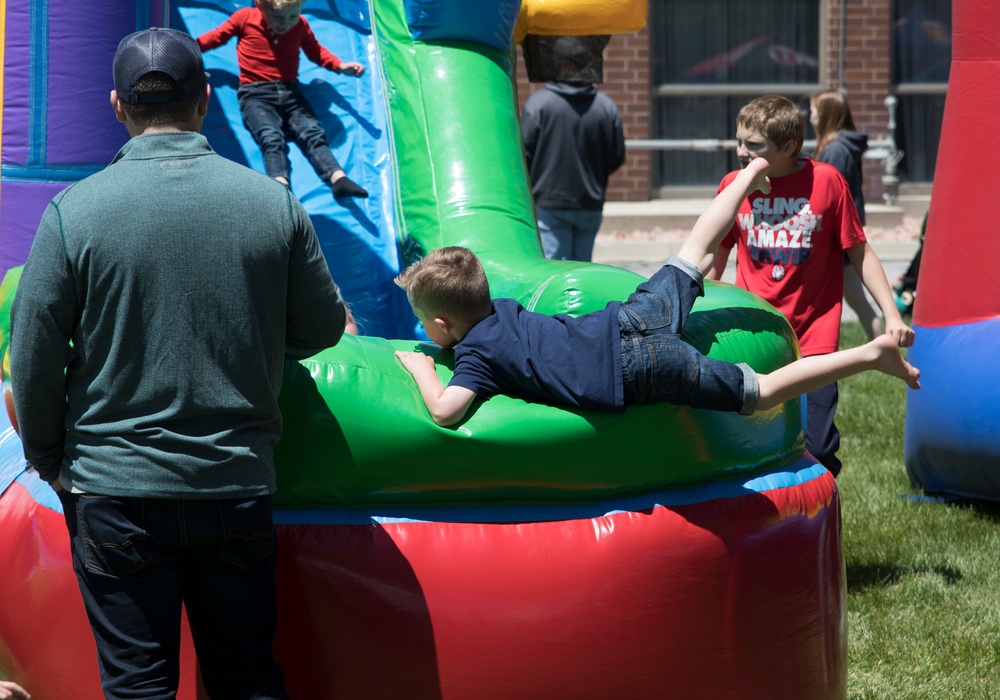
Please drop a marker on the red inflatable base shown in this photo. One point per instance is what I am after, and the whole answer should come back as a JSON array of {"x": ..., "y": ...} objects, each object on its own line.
[
  {"x": 730, "y": 598},
  {"x": 45, "y": 639}
]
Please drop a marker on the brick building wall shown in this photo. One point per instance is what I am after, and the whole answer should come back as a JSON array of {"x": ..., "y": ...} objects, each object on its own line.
[
  {"x": 867, "y": 71},
  {"x": 867, "y": 78},
  {"x": 627, "y": 82}
]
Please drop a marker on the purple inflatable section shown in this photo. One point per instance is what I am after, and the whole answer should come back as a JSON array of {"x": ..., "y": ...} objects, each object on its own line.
[
  {"x": 57, "y": 122},
  {"x": 57, "y": 77},
  {"x": 21, "y": 206}
]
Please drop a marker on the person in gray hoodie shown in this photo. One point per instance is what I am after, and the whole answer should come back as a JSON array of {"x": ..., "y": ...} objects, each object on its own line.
[
  {"x": 573, "y": 142},
  {"x": 839, "y": 144}
]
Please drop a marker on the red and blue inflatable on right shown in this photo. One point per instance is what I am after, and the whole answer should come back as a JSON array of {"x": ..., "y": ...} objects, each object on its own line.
[{"x": 952, "y": 434}]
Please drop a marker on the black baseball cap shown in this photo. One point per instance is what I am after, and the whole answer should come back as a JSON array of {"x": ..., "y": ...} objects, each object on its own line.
[{"x": 159, "y": 50}]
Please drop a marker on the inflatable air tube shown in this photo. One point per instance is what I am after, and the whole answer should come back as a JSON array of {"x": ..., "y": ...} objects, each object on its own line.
[{"x": 952, "y": 431}]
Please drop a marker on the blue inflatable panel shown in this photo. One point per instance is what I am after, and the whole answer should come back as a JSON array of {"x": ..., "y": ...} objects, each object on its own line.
[
  {"x": 358, "y": 236},
  {"x": 802, "y": 471},
  {"x": 13, "y": 467},
  {"x": 952, "y": 437},
  {"x": 455, "y": 20}
]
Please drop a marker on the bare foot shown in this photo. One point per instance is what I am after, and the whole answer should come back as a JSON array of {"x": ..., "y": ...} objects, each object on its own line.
[{"x": 890, "y": 361}]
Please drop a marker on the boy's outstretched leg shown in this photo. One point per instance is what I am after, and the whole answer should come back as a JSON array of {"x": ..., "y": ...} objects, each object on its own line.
[{"x": 815, "y": 371}]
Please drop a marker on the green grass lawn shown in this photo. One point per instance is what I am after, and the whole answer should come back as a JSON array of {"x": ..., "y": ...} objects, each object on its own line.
[{"x": 923, "y": 576}]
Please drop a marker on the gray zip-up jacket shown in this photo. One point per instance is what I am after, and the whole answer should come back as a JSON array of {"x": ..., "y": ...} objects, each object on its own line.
[{"x": 152, "y": 321}]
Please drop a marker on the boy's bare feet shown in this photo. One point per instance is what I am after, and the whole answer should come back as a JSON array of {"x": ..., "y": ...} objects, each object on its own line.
[{"x": 889, "y": 360}]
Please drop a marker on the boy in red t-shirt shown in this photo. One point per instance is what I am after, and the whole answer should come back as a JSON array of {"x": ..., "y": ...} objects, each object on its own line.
[
  {"x": 790, "y": 247},
  {"x": 269, "y": 36}
]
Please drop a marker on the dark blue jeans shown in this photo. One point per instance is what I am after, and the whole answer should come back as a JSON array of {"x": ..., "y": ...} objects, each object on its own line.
[
  {"x": 137, "y": 560},
  {"x": 271, "y": 108},
  {"x": 658, "y": 366},
  {"x": 822, "y": 436}
]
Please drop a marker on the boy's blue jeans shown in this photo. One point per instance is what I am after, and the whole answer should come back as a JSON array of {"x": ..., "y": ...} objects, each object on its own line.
[
  {"x": 271, "y": 108},
  {"x": 138, "y": 559},
  {"x": 657, "y": 366}
]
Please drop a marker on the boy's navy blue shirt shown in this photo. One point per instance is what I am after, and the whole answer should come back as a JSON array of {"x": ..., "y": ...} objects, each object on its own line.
[{"x": 561, "y": 360}]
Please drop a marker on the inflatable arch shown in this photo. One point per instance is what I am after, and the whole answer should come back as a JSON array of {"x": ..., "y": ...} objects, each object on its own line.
[
  {"x": 952, "y": 433},
  {"x": 532, "y": 551}
]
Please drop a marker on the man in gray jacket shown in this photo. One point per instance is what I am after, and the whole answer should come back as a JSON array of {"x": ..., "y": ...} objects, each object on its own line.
[{"x": 148, "y": 338}]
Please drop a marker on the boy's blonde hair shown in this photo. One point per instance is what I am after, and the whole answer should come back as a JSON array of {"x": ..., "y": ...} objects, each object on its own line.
[
  {"x": 278, "y": 5},
  {"x": 777, "y": 118},
  {"x": 448, "y": 281}
]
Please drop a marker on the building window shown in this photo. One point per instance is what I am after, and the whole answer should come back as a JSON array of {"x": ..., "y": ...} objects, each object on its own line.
[
  {"x": 709, "y": 58},
  {"x": 921, "y": 59}
]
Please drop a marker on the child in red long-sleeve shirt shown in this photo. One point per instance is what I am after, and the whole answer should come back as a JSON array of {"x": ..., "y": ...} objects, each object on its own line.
[{"x": 269, "y": 36}]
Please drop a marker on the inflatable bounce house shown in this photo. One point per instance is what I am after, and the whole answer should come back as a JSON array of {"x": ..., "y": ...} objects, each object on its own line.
[
  {"x": 531, "y": 551},
  {"x": 952, "y": 438}
]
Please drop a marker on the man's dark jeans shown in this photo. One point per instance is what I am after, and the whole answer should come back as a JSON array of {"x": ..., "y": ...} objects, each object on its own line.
[
  {"x": 269, "y": 109},
  {"x": 138, "y": 560}
]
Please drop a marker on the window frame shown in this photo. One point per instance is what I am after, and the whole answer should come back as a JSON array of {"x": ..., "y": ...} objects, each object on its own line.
[{"x": 794, "y": 91}]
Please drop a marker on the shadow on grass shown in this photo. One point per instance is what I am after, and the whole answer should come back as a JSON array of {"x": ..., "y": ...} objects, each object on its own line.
[
  {"x": 864, "y": 576},
  {"x": 987, "y": 510}
]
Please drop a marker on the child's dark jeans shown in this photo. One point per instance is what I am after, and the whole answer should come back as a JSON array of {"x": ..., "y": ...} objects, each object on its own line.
[
  {"x": 657, "y": 366},
  {"x": 271, "y": 108}
]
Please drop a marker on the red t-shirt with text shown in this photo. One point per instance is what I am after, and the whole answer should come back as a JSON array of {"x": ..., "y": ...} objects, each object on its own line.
[{"x": 790, "y": 247}]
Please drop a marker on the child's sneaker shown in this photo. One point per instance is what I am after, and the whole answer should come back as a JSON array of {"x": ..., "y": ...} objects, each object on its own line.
[
  {"x": 902, "y": 296},
  {"x": 904, "y": 301}
]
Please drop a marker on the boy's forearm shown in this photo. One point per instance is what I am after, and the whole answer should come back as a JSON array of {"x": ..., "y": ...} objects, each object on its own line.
[
  {"x": 722, "y": 210},
  {"x": 872, "y": 275},
  {"x": 428, "y": 383},
  {"x": 446, "y": 407},
  {"x": 719, "y": 262},
  {"x": 715, "y": 222}
]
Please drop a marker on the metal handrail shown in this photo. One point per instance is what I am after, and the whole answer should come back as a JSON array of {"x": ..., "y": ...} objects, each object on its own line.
[{"x": 882, "y": 149}]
